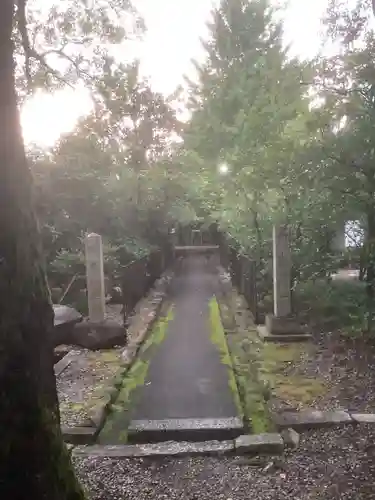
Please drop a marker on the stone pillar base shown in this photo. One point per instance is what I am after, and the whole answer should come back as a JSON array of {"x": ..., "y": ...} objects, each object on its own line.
[
  {"x": 285, "y": 329},
  {"x": 104, "y": 335}
]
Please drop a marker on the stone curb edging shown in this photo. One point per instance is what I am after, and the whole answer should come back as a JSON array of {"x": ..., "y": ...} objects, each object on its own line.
[
  {"x": 87, "y": 435},
  {"x": 65, "y": 361},
  {"x": 316, "y": 419},
  {"x": 256, "y": 444}
]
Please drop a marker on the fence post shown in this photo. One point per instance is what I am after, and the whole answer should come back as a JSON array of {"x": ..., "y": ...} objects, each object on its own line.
[
  {"x": 242, "y": 273},
  {"x": 252, "y": 289}
]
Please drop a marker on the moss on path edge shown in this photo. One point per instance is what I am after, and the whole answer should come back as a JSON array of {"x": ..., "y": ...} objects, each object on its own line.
[
  {"x": 218, "y": 338},
  {"x": 115, "y": 429}
]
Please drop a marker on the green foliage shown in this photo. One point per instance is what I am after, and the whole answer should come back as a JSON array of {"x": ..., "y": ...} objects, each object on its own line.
[
  {"x": 72, "y": 41},
  {"x": 112, "y": 176},
  {"x": 338, "y": 304},
  {"x": 296, "y": 137}
]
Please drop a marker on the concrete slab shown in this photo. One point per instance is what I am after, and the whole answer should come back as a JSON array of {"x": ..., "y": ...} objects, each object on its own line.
[
  {"x": 184, "y": 429},
  {"x": 157, "y": 450}
]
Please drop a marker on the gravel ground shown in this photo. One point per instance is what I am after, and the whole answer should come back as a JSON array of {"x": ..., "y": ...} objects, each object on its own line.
[
  {"x": 329, "y": 464},
  {"x": 347, "y": 368},
  {"x": 85, "y": 380},
  {"x": 81, "y": 385}
]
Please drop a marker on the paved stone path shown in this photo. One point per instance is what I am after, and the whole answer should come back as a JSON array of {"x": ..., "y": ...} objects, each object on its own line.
[{"x": 186, "y": 378}]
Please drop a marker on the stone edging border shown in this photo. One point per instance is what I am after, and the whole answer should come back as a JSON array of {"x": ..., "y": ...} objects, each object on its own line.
[
  {"x": 64, "y": 362},
  {"x": 87, "y": 434},
  {"x": 316, "y": 419},
  {"x": 268, "y": 443},
  {"x": 251, "y": 444}
]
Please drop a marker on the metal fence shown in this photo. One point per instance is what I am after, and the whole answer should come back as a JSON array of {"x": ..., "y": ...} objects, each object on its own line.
[
  {"x": 243, "y": 272},
  {"x": 139, "y": 276}
]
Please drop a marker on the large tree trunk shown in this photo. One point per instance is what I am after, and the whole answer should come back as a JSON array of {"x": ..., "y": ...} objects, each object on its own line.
[
  {"x": 370, "y": 264},
  {"x": 34, "y": 462}
]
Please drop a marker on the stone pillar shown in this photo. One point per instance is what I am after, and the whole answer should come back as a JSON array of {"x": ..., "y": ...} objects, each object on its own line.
[
  {"x": 281, "y": 271},
  {"x": 95, "y": 277},
  {"x": 281, "y": 326}
]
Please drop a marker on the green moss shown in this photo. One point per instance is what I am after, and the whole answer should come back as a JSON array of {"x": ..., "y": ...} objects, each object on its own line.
[
  {"x": 218, "y": 338},
  {"x": 244, "y": 351},
  {"x": 159, "y": 331},
  {"x": 253, "y": 394},
  {"x": 115, "y": 429},
  {"x": 292, "y": 388}
]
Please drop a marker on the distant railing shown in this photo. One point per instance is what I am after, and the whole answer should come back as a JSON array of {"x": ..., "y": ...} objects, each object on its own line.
[
  {"x": 138, "y": 277},
  {"x": 243, "y": 272}
]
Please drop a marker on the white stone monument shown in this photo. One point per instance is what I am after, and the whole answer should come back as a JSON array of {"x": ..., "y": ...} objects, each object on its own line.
[
  {"x": 95, "y": 277},
  {"x": 281, "y": 326},
  {"x": 281, "y": 271}
]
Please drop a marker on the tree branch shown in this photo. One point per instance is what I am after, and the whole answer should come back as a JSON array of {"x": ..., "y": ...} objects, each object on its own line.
[{"x": 30, "y": 52}]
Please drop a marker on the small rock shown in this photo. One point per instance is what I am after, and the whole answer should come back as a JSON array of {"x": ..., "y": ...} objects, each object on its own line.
[{"x": 291, "y": 438}]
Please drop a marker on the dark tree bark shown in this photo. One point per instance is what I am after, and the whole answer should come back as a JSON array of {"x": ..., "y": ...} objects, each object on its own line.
[
  {"x": 34, "y": 462},
  {"x": 370, "y": 264}
]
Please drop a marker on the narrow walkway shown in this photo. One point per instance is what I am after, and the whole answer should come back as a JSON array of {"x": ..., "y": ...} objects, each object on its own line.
[{"x": 186, "y": 378}]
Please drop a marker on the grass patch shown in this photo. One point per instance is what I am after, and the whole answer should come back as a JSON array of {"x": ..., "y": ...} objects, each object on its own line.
[
  {"x": 291, "y": 388},
  {"x": 218, "y": 338}
]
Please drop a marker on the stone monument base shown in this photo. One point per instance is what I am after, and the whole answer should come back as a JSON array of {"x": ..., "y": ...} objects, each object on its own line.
[
  {"x": 104, "y": 335},
  {"x": 283, "y": 330}
]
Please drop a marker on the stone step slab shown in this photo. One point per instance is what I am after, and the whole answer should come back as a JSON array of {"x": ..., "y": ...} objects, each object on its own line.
[{"x": 312, "y": 419}]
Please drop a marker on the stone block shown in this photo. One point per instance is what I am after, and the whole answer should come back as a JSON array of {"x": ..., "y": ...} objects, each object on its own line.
[
  {"x": 99, "y": 414},
  {"x": 128, "y": 355},
  {"x": 363, "y": 418},
  {"x": 267, "y": 443},
  {"x": 291, "y": 438},
  {"x": 282, "y": 338},
  {"x": 65, "y": 319},
  {"x": 78, "y": 435},
  {"x": 164, "y": 449},
  {"x": 104, "y": 335},
  {"x": 284, "y": 326},
  {"x": 312, "y": 419}
]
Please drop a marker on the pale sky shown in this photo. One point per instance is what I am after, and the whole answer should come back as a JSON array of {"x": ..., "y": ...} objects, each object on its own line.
[{"x": 171, "y": 41}]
